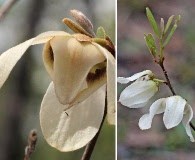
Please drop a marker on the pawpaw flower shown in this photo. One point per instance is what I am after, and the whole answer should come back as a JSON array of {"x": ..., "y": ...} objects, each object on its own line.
[{"x": 82, "y": 71}]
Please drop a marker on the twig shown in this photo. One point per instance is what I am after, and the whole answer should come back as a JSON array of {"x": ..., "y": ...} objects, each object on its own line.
[
  {"x": 32, "y": 139},
  {"x": 5, "y": 7},
  {"x": 170, "y": 86},
  {"x": 167, "y": 78},
  {"x": 89, "y": 148}
]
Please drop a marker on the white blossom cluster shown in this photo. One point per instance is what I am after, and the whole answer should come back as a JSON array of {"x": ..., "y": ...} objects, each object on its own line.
[{"x": 175, "y": 108}]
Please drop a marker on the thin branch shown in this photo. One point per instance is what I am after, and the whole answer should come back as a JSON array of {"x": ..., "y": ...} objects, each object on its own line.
[
  {"x": 32, "y": 139},
  {"x": 90, "y": 147},
  {"x": 166, "y": 76},
  {"x": 5, "y": 7},
  {"x": 170, "y": 86}
]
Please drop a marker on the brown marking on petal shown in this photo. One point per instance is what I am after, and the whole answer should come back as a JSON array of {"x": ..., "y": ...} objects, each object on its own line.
[
  {"x": 48, "y": 58},
  {"x": 51, "y": 56},
  {"x": 82, "y": 38},
  {"x": 66, "y": 113},
  {"x": 95, "y": 76}
]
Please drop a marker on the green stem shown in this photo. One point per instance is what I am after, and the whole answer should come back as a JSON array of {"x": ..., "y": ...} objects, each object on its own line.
[{"x": 161, "y": 48}]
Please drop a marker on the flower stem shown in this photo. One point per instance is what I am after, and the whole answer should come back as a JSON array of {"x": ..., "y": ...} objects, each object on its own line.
[
  {"x": 170, "y": 86},
  {"x": 90, "y": 147}
]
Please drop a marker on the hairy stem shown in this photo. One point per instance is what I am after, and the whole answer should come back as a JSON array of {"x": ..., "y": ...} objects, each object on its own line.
[{"x": 90, "y": 147}]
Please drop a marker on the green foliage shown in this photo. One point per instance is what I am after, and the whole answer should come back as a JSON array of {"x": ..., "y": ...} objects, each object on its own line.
[
  {"x": 170, "y": 35},
  {"x": 168, "y": 23},
  {"x": 163, "y": 30},
  {"x": 151, "y": 44},
  {"x": 152, "y": 22},
  {"x": 101, "y": 33}
]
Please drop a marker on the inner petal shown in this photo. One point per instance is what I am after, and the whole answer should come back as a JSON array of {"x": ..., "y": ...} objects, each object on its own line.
[{"x": 72, "y": 63}]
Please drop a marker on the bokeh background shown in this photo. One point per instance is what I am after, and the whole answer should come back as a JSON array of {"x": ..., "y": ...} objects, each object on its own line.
[
  {"x": 133, "y": 56},
  {"x": 21, "y": 95}
]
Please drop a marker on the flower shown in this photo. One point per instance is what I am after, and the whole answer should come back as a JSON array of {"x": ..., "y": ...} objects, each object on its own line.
[
  {"x": 138, "y": 93},
  {"x": 81, "y": 72},
  {"x": 175, "y": 109}
]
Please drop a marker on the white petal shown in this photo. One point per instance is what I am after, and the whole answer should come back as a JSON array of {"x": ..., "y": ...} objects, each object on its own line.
[
  {"x": 156, "y": 108},
  {"x": 72, "y": 63},
  {"x": 46, "y": 36},
  {"x": 186, "y": 121},
  {"x": 174, "y": 111},
  {"x": 111, "y": 80},
  {"x": 138, "y": 93},
  {"x": 75, "y": 130},
  {"x": 134, "y": 77},
  {"x": 9, "y": 58}
]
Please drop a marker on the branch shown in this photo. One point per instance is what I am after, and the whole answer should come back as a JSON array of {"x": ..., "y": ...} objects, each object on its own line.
[
  {"x": 5, "y": 7},
  {"x": 32, "y": 139},
  {"x": 166, "y": 76},
  {"x": 90, "y": 147}
]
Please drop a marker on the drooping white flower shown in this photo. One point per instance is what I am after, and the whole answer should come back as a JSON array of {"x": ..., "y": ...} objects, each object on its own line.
[
  {"x": 138, "y": 93},
  {"x": 79, "y": 69},
  {"x": 175, "y": 109}
]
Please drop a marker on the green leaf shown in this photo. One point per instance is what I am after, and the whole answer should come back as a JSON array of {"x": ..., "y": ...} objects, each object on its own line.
[
  {"x": 168, "y": 23},
  {"x": 170, "y": 35},
  {"x": 177, "y": 19},
  {"x": 101, "y": 33},
  {"x": 152, "y": 22},
  {"x": 151, "y": 44}
]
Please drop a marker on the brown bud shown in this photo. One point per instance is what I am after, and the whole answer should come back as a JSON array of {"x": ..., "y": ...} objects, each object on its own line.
[{"x": 83, "y": 21}]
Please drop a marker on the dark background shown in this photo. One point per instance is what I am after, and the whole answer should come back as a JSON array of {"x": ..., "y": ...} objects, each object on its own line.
[
  {"x": 133, "y": 56},
  {"x": 21, "y": 95}
]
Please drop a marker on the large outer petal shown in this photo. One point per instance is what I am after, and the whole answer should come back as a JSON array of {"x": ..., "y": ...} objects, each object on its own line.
[
  {"x": 72, "y": 63},
  {"x": 9, "y": 58},
  {"x": 138, "y": 93},
  {"x": 111, "y": 83},
  {"x": 186, "y": 121},
  {"x": 124, "y": 80},
  {"x": 174, "y": 111},
  {"x": 156, "y": 108},
  {"x": 75, "y": 130}
]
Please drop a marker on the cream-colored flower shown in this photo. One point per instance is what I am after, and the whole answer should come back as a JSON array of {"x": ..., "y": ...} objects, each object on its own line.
[
  {"x": 79, "y": 69},
  {"x": 175, "y": 109},
  {"x": 138, "y": 93}
]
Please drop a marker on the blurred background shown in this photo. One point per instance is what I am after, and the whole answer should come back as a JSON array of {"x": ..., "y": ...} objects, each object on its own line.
[
  {"x": 133, "y": 56},
  {"x": 21, "y": 95}
]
